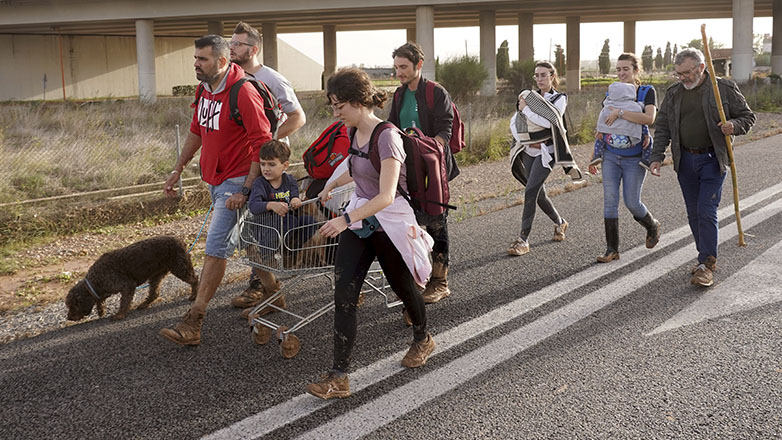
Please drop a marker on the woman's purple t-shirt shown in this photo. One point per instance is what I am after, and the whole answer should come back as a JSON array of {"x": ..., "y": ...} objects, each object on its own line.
[{"x": 367, "y": 179}]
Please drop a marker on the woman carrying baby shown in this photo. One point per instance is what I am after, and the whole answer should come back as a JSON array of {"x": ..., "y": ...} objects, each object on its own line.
[{"x": 623, "y": 136}]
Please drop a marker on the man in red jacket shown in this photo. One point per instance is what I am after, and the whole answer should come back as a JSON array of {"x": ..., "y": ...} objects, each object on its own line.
[{"x": 229, "y": 164}]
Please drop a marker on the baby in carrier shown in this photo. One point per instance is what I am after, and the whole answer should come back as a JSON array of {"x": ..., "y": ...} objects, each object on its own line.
[{"x": 621, "y": 134}]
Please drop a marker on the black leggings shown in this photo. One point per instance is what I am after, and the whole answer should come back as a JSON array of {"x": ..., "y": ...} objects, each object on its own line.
[{"x": 354, "y": 256}]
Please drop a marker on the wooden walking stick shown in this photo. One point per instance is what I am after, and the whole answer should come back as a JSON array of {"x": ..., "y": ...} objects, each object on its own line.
[{"x": 728, "y": 140}]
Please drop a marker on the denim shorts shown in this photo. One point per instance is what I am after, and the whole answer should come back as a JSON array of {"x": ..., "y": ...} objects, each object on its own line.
[{"x": 219, "y": 241}]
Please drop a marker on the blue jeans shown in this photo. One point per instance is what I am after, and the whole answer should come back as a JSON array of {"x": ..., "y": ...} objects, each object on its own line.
[
  {"x": 218, "y": 238},
  {"x": 701, "y": 178},
  {"x": 622, "y": 170}
]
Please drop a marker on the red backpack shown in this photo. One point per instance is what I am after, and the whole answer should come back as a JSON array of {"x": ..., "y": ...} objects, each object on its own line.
[
  {"x": 427, "y": 184},
  {"x": 328, "y": 151},
  {"x": 456, "y": 143}
]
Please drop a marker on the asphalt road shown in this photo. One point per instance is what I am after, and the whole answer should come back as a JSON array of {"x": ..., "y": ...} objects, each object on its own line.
[{"x": 547, "y": 345}]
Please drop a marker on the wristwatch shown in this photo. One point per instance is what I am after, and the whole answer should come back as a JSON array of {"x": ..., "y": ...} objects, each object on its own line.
[
  {"x": 621, "y": 113},
  {"x": 347, "y": 218},
  {"x": 245, "y": 191}
]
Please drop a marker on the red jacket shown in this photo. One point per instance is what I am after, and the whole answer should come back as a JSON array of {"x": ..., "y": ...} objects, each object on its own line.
[{"x": 227, "y": 148}]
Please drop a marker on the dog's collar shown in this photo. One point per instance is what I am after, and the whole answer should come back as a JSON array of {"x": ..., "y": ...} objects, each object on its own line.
[{"x": 91, "y": 289}]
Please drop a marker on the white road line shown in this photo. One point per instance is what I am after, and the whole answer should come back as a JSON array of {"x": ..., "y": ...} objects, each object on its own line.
[
  {"x": 755, "y": 285},
  {"x": 303, "y": 405},
  {"x": 388, "y": 407}
]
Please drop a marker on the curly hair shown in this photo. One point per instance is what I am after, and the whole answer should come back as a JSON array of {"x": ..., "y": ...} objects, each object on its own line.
[{"x": 353, "y": 85}]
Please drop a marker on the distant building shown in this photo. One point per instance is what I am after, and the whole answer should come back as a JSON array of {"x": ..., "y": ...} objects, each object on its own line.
[
  {"x": 720, "y": 58},
  {"x": 379, "y": 72}
]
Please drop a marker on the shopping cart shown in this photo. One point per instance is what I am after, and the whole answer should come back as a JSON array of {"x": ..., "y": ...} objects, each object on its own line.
[{"x": 291, "y": 247}]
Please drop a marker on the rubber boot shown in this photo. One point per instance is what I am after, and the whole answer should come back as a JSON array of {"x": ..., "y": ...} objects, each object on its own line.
[
  {"x": 612, "y": 241},
  {"x": 437, "y": 287},
  {"x": 652, "y": 229},
  {"x": 187, "y": 332}
]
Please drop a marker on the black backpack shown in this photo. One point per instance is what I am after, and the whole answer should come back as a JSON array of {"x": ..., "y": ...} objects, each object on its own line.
[{"x": 271, "y": 107}]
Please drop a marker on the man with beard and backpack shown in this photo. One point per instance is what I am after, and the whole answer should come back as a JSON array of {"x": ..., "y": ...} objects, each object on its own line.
[
  {"x": 423, "y": 104},
  {"x": 245, "y": 47},
  {"x": 229, "y": 164}
]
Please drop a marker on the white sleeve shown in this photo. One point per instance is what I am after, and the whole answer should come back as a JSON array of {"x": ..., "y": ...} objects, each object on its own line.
[{"x": 513, "y": 126}]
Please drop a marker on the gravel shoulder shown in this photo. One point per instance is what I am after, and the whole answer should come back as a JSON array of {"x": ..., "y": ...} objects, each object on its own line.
[{"x": 32, "y": 299}]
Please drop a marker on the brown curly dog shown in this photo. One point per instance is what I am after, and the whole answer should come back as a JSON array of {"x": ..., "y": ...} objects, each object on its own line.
[{"x": 124, "y": 269}]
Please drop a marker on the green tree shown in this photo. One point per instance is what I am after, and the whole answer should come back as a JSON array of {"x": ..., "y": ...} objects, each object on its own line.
[
  {"x": 604, "y": 60},
  {"x": 646, "y": 58},
  {"x": 503, "y": 60},
  {"x": 667, "y": 56},
  {"x": 520, "y": 75},
  {"x": 463, "y": 76},
  {"x": 675, "y": 51},
  {"x": 658, "y": 60},
  {"x": 560, "y": 63},
  {"x": 698, "y": 44}
]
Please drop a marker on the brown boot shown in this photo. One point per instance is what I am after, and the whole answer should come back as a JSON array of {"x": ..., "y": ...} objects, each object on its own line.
[
  {"x": 187, "y": 332},
  {"x": 418, "y": 353},
  {"x": 254, "y": 295},
  {"x": 279, "y": 302},
  {"x": 437, "y": 287}
]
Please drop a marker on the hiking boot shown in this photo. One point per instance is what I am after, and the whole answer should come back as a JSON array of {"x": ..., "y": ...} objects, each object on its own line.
[
  {"x": 559, "y": 231},
  {"x": 702, "y": 276},
  {"x": 187, "y": 332},
  {"x": 252, "y": 296},
  {"x": 518, "y": 247},
  {"x": 330, "y": 385},
  {"x": 419, "y": 352},
  {"x": 279, "y": 302},
  {"x": 437, "y": 287}
]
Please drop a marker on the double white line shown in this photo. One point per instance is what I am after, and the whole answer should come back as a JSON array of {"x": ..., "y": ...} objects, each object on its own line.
[{"x": 383, "y": 410}]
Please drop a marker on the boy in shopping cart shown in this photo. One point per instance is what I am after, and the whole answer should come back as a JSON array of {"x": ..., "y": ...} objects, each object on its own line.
[{"x": 274, "y": 197}]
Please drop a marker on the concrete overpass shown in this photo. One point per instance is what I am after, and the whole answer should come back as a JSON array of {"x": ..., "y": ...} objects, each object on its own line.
[{"x": 147, "y": 20}]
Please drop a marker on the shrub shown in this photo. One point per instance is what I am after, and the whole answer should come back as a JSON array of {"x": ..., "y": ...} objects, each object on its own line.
[
  {"x": 462, "y": 76},
  {"x": 520, "y": 75}
]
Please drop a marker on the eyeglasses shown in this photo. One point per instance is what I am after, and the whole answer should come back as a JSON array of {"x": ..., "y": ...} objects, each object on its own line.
[
  {"x": 239, "y": 43},
  {"x": 687, "y": 72},
  {"x": 337, "y": 106}
]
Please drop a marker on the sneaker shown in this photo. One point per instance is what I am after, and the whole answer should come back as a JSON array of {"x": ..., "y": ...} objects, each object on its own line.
[
  {"x": 518, "y": 247},
  {"x": 703, "y": 276},
  {"x": 419, "y": 352},
  {"x": 330, "y": 385},
  {"x": 559, "y": 231}
]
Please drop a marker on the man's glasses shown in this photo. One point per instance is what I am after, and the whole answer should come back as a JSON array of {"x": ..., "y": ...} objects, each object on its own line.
[
  {"x": 687, "y": 72},
  {"x": 239, "y": 43}
]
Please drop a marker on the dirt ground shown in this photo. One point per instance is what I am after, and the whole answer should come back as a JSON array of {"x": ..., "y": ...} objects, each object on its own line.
[{"x": 47, "y": 271}]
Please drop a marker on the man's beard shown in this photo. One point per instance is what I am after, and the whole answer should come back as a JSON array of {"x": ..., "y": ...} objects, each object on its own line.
[
  {"x": 241, "y": 60},
  {"x": 206, "y": 77},
  {"x": 695, "y": 83}
]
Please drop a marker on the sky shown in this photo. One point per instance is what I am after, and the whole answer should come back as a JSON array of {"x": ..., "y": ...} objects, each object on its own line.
[{"x": 373, "y": 48}]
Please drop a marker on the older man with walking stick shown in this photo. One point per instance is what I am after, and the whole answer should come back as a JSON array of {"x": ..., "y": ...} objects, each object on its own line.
[{"x": 688, "y": 121}]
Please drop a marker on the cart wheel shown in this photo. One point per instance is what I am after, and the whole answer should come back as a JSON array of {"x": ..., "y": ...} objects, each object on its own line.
[
  {"x": 289, "y": 344},
  {"x": 289, "y": 347},
  {"x": 262, "y": 334}
]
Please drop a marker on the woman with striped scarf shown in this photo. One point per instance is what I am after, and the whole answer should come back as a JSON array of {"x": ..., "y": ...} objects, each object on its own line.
[{"x": 533, "y": 134}]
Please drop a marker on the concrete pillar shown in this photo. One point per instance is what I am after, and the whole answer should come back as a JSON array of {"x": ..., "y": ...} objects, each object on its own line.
[
  {"x": 741, "y": 59},
  {"x": 145, "y": 55},
  {"x": 215, "y": 27},
  {"x": 411, "y": 34},
  {"x": 424, "y": 33},
  {"x": 776, "y": 38},
  {"x": 526, "y": 47},
  {"x": 270, "y": 45},
  {"x": 488, "y": 20},
  {"x": 573, "y": 56},
  {"x": 329, "y": 51},
  {"x": 629, "y": 37}
]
